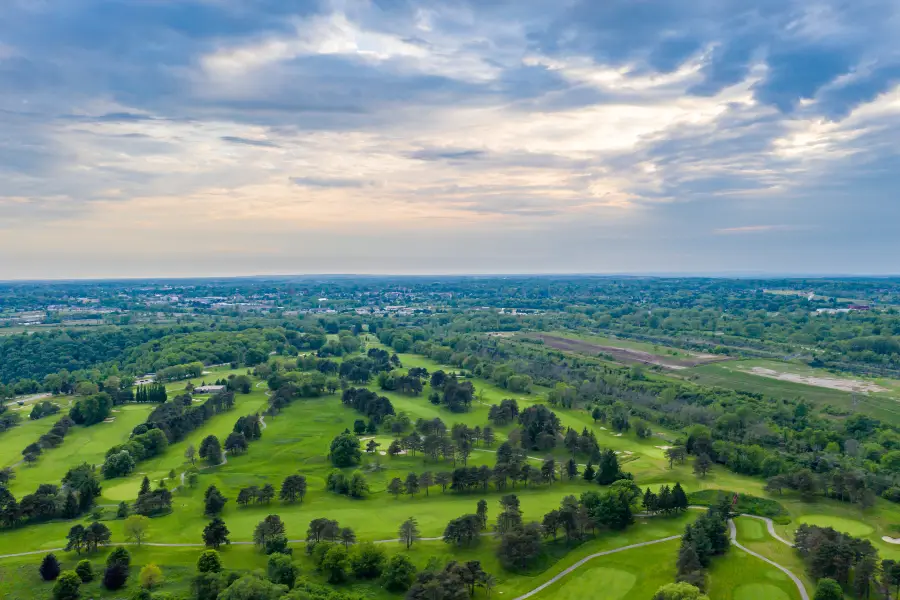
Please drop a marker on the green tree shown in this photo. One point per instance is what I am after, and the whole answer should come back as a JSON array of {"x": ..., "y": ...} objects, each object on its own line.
[
  {"x": 66, "y": 586},
  {"x": 135, "y": 528},
  {"x": 679, "y": 591},
  {"x": 215, "y": 533},
  {"x": 250, "y": 587},
  {"x": 209, "y": 562},
  {"x": 345, "y": 451},
  {"x": 211, "y": 450},
  {"x": 828, "y": 589},
  {"x": 399, "y": 573},
  {"x": 702, "y": 465},
  {"x": 367, "y": 561},
  {"x": 49, "y": 568},
  {"x": 395, "y": 487},
  {"x": 335, "y": 563},
  {"x": 281, "y": 570},
  {"x": 85, "y": 571},
  {"x": 409, "y": 532},
  {"x": 150, "y": 576}
]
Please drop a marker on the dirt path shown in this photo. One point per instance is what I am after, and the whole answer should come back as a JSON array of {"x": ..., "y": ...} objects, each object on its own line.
[
  {"x": 844, "y": 385},
  {"x": 800, "y": 587},
  {"x": 628, "y": 355}
]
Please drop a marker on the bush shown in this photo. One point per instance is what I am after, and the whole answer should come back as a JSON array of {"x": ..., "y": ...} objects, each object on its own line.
[
  {"x": 85, "y": 571},
  {"x": 66, "y": 587},
  {"x": 115, "y": 577},
  {"x": 281, "y": 570},
  {"x": 399, "y": 573},
  {"x": 209, "y": 562},
  {"x": 49, "y": 568},
  {"x": 150, "y": 576}
]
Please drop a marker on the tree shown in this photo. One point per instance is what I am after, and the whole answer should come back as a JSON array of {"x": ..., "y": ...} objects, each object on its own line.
[
  {"x": 367, "y": 561},
  {"x": 150, "y": 576},
  {"x": 348, "y": 537},
  {"x": 190, "y": 453},
  {"x": 49, "y": 568},
  {"x": 293, "y": 487},
  {"x": 828, "y": 589},
  {"x": 675, "y": 453},
  {"x": 679, "y": 498},
  {"x": 251, "y": 587},
  {"x": 702, "y": 465},
  {"x": 409, "y": 532},
  {"x": 281, "y": 570},
  {"x": 443, "y": 479},
  {"x": 267, "y": 529},
  {"x": 589, "y": 472},
  {"x": 345, "y": 450},
  {"x": 211, "y": 450},
  {"x": 411, "y": 485},
  {"x": 395, "y": 487},
  {"x": 209, "y": 562},
  {"x": 520, "y": 547},
  {"x": 399, "y": 573},
  {"x": 193, "y": 478},
  {"x": 122, "y": 510},
  {"x": 426, "y": 480},
  {"x": 118, "y": 564},
  {"x": 608, "y": 468},
  {"x": 215, "y": 533},
  {"x": 359, "y": 487},
  {"x": 236, "y": 443},
  {"x": 482, "y": 512},
  {"x": 679, "y": 591},
  {"x": 335, "y": 563},
  {"x": 214, "y": 501},
  {"x": 66, "y": 587},
  {"x": 85, "y": 571},
  {"x": 135, "y": 528},
  {"x": 463, "y": 531}
]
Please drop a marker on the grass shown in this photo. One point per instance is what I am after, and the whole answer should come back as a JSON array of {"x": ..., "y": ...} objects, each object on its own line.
[
  {"x": 752, "y": 534},
  {"x": 848, "y": 526},
  {"x": 297, "y": 441},
  {"x": 740, "y": 576},
  {"x": 882, "y": 405}
]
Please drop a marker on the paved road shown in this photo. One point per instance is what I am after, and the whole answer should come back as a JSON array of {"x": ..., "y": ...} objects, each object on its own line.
[
  {"x": 800, "y": 587},
  {"x": 565, "y": 572}
]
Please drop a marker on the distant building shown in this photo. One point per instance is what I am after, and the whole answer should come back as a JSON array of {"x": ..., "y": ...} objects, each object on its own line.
[
  {"x": 861, "y": 307},
  {"x": 209, "y": 389}
]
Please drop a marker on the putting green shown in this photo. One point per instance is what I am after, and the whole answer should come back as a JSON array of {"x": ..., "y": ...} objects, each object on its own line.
[
  {"x": 750, "y": 529},
  {"x": 755, "y": 591},
  {"x": 598, "y": 584},
  {"x": 848, "y": 526}
]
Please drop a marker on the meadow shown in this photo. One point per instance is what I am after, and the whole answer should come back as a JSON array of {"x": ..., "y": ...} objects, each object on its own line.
[{"x": 297, "y": 441}]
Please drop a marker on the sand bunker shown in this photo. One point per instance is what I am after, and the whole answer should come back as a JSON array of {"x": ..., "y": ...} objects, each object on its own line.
[
  {"x": 845, "y": 385},
  {"x": 109, "y": 419},
  {"x": 890, "y": 540},
  {"x": 665, "y": 447}
]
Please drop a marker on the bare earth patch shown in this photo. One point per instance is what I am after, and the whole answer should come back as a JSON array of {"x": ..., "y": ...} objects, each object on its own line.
[
  {"x": 845, "y": 385},
  {"x": 627, "y": 355}
]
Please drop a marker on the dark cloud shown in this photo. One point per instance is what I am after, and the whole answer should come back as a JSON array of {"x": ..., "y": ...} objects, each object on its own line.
[{"x": 447, "y": 154}]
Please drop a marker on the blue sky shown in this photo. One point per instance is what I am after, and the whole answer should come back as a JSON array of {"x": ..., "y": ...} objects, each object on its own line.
[{"x": 216, "y": 137}]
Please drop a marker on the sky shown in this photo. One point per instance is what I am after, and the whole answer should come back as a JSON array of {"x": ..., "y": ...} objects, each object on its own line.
[{"x": 236, "y": 137}]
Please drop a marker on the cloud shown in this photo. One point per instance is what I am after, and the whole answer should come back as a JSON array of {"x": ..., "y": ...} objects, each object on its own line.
[
  {"x": 526, "y": 133},
  {"x": 239, "y": 140}
]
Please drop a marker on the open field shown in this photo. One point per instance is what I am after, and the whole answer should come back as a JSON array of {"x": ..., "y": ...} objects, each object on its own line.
[
  {"x": 626, "y": 351},
  {"x": 795, "y": 382},
  {"x": 296, "y": 441}
]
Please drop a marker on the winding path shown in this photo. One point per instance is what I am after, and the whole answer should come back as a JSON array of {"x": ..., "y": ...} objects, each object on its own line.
[
  {"x": 565, "y": 572},
  {"x": 800, "y": 587}
]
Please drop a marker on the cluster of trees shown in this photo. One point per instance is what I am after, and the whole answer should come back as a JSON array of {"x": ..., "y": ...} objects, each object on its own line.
[
  {"x": 154, "y": 393},
  {"x": 456, "y": 581},
  {"x": 354, "y": 486},
  {"x": 455, "y": 395},
  {"x": 667, "y": 501},
  {"x": 80, "y": 487},
  {"x": 702, "y": 540},
  {"x": 43, "y": 409},
  {"x": 841, "y": 558},
  {"x": 367, "y": 402},
  {"x": 52, "y": 439},
  {"x": 504, "y": 413},
  {"x": 152, "y": 502},
  {"x": 256, "y": 495},
  {"x": 91, "y": 410},
  {"x": 168, "y": 423},
  {"x": 115, "y": 576},
  {"x": 410, "y": 384},
  {"x": 345, "y": 451},
  {"x": 246, "y": 430},
  {"x": 539, "y": 427},
  {"x": 176, "y": 373},
  {"x": 87, "y": 539}
]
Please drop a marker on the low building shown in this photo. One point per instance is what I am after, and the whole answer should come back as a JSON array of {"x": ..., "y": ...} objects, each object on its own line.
[{"x": 209, "y": 389}]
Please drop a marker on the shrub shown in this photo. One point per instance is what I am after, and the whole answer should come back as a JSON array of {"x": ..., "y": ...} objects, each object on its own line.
[
  {"x": 49, "y": 568},
  {"x": 85, "y": 571},
  {"x": 66, "y": 587},
  {"x": 209, "y": 562}
]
